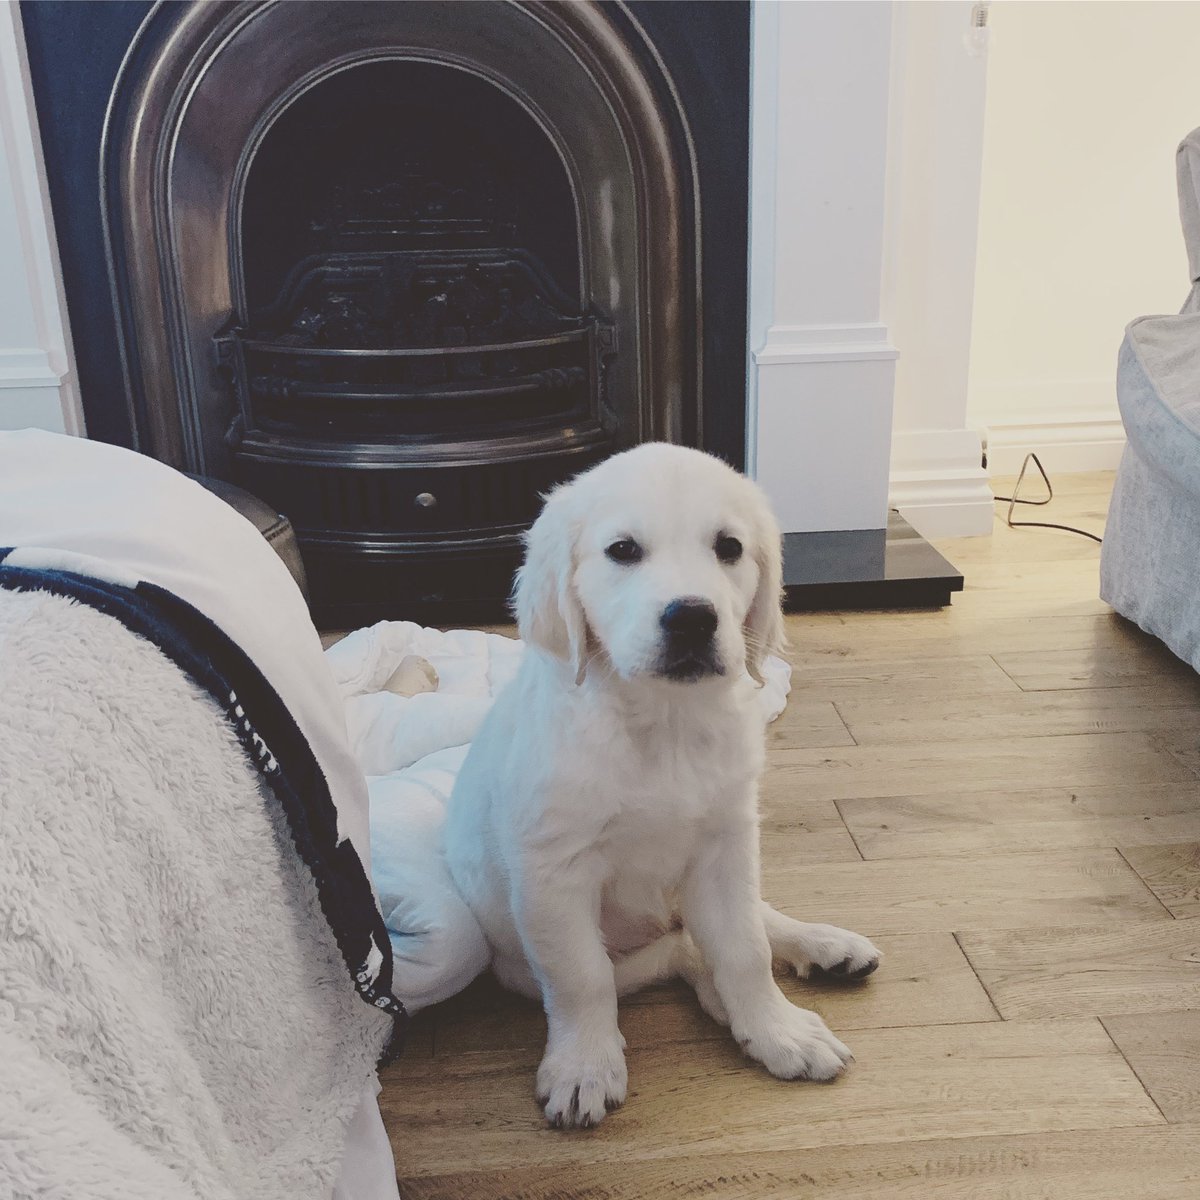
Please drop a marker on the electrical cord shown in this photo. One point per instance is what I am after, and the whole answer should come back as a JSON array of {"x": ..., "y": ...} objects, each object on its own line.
[{"x": 1014, "y": 500}]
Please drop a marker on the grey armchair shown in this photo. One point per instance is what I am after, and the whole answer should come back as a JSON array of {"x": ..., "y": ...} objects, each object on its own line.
[{"x": 1150, "y": 562}]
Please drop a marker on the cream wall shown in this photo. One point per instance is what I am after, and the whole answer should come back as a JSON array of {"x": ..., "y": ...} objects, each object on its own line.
[{"x": 1078, "y": 222}]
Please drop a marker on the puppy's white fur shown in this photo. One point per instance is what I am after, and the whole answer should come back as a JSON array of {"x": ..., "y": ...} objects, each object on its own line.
[{"x": 604, "y": 827}]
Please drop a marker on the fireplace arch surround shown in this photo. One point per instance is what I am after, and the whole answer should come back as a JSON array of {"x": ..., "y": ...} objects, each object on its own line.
[{"x": 200, "y": 92}]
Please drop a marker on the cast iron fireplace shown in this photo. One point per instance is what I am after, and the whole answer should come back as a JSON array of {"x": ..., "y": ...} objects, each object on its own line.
[{"x": 400, "y": 268}]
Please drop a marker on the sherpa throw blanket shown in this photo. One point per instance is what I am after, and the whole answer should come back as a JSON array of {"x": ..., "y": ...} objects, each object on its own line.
[{"x": 184, "y": 920}]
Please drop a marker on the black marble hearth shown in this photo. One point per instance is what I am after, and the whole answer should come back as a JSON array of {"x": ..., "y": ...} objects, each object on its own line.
[{"x": 866, "y": 568}]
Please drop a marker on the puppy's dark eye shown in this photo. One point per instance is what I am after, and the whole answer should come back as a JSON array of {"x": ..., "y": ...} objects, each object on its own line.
[
  {"x": 728, "y": 549},
  {"x": 626, "y": 550}
]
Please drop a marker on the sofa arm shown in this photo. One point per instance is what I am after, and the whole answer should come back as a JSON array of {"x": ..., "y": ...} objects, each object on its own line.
[{"x": 274, "y": 526}]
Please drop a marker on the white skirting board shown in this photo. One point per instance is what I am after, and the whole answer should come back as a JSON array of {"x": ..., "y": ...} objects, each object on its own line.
[
  {"x": 1065, "y": 446},
  {"x": 938, "y": 483},
  {"x": 1073, "y": 425},
  {"x": 940, "y": 487}
]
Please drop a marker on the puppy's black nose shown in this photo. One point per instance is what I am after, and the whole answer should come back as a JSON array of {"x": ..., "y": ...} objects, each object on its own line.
[{"x": 689, "y": 619}]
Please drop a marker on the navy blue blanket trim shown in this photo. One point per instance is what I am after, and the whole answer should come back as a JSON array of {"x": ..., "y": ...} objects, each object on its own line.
[{"x": 275, "y": 745}]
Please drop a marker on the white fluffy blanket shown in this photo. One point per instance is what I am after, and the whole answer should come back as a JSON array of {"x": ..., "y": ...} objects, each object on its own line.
[
  {"x": 175, "y": 1018},
  {"x": 410, "y": 748}
]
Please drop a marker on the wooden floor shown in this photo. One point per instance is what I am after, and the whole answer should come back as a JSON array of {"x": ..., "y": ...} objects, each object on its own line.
[{"x": 1005, "y": 796}]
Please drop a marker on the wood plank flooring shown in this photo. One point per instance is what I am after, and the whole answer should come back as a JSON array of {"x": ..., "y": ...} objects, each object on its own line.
[{"x": 1005, "y": 794}]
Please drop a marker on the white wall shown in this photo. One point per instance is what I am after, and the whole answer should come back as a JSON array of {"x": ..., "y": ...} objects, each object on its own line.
[
  {"x": 1078, "y": 226},
  {"x": 36, "y": 375}
]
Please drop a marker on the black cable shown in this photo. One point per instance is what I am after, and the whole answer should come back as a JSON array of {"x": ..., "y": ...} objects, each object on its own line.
[{"x": 1013, "y": 501}]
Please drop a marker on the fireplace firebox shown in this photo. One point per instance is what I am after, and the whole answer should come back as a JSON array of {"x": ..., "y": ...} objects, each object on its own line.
[
  {"x": 418, "y": 360},
  {"x": 401, "y": 268}
]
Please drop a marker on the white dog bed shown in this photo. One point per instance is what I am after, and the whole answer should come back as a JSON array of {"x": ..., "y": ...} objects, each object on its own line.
[{"x": 410, "y": 748}]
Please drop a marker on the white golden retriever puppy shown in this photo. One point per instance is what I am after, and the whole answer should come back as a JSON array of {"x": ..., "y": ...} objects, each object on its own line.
[{"x": 604, "y": 828}]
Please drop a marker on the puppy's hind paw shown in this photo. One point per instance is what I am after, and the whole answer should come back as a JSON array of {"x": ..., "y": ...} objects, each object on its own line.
[
  {"x": 826, "y": 953},
  {"x": 849, "y": 969}
]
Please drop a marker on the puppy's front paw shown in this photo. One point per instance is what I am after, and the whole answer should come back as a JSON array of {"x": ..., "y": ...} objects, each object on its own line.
[
  {"x": 577, "y": 1088},
  {"x": 796, "y": 1044}
]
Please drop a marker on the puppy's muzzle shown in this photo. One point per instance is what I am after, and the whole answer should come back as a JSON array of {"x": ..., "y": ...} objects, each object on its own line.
[{"x": 689, "y": 626}]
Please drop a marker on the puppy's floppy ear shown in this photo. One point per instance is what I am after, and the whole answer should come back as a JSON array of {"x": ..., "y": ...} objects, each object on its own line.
[
  {"x": 545, "y": 601},
  {"x": 764, "y": 620}
]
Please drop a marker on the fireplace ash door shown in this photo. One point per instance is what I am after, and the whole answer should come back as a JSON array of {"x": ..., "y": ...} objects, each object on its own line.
[{"x": 401, "y": 268}]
